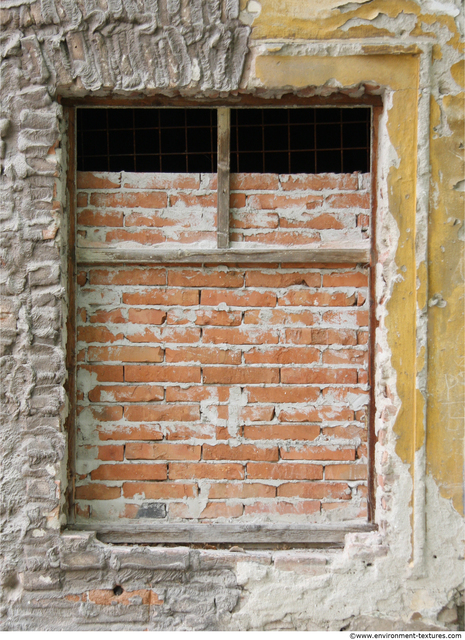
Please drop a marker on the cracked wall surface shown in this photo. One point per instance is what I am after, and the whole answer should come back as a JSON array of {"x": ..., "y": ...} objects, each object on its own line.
[{"x": 409, "y": 573}]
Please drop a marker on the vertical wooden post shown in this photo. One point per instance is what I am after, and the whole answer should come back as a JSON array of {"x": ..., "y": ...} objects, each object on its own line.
[
  {"x": 223, "y": 178},
  {"x": 71, "y": 320}
]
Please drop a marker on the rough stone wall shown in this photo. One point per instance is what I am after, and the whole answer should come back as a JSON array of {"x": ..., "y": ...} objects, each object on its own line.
[{"x": 53, "y": 580}]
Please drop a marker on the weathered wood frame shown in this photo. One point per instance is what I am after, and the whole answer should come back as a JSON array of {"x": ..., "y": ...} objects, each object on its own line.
[{"x": 248, "y": 535}]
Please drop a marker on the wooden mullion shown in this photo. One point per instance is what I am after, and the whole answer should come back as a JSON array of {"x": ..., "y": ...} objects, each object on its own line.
[{"x": 223, "y": 177}]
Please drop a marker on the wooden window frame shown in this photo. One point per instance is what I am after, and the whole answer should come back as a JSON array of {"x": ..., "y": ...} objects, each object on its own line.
[{"x": 249, "y": 535}]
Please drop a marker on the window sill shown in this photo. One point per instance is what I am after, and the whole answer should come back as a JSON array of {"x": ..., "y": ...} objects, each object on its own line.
[{"x": 290, "y": 535}]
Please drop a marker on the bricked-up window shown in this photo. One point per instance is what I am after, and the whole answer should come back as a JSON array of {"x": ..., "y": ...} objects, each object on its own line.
[
  {"x": 223, "y": 324},
  {"x": 263, "y": 140}
]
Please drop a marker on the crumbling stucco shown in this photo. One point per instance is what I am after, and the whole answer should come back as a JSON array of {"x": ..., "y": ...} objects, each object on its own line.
[{"x": 408, "y": 574}]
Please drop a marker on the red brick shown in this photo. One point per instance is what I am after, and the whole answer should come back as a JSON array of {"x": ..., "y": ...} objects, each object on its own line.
[
  {"x": 161, "y": 181},
  {"x": 138, "y": 276},
  {"x": 81, "y": 200},
  {"x": 343, "y": 394},
  {"x": 199, "y": 470},
  {"x": 283, "y": 508},
  {"x": 363, "y": 337},
  {"x": 323, "y": 221},
  {"x": 167, "y": 334},
  {"x": 107, "y": 597},
  {"x": 182, "y": 431},
  {"x": 315, "y": 490},
  {"x": 345, "y": 356},
  {"x": 129, "y": 200},
  {"x": 218, "y": 318},
  {"x": 363, "y": 220},
  {"x": 234, "y": 375},
  {"x": 115, "y": 316},
  {"x": 254, "y": 220},
  {"x": 159, "y": 490},
  {"x": 346, "y": 317},
  {"x": 346, "y": 472},
  {"x": 131, "y": 432},
  {"x": 144, "y": 236},
  {"x": 193, "y": 200},
  {"x": 282, "y": 432},
  {"x": 97, "y": 492},
  {"x": 316, "y": 414},
  {"x": 161, "y": 451},
  {"x": 204, "y": 355},
  {"x": 282, "y": 355},
  {"x": 274, "y": 201},
  {"x": 263, "y": 279},
  {"x": 346, "y": 200},
  {"x": 183, "y": 413},
  {"x": 94, "y": 180},
  {"x": 81, "y": 279},
  {"x": 320, "y": 299},
  {"x": 254, "y": 181},
  {"x": 285, "y": 238},
  {"x": 199, "y": 278},
  {"x": 321, "y": 336},
  {"x": 126, "y": 393},
  {"x": 242, "y": 335},
  {"x": 104, "y": 373},
  {"x": 98, "y": 218},
  {"x": 196, "y": 394},
  {"x": 240, "y": 490},
  {"x": 241, "y": 452},
  {"x": 319, "y": 181},
  {"x": 284, "y": 471},
  {"x": 237, "y": 200},
  {"x": 317, "y": 453},
  {"x": 125, "y": 354},
  {"x": 318, "y": 376},
  {"x": 111, "y": 452},
  {"x": 282, "y": 394},
  {"x": 146, "y": 316},
  {"x": 148, "y": 219},
  {"x": 148, "y": 373},
  {"x": 345, "y": 432},
  {"x": 130, "y": 472},
  {"x": 212, "y": 510},
  {"x": 256, "y": 413},
  {"x": 238, "y": 298},
  {"x": 351, "y": 279},
  {"x": 278, "y": 316},
  {"x": 105, "y": 414},
  {"x": 162, "y": 297},
  {"x": 97, "y": 334}
]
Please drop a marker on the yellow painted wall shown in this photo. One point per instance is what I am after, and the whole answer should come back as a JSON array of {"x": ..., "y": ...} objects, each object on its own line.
[{"x": 297, "y": 21}]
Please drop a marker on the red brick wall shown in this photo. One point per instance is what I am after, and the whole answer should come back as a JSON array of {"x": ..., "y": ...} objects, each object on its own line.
[
  {"x": 181, "y": 208},
  {"x": 223, "y": 392}
]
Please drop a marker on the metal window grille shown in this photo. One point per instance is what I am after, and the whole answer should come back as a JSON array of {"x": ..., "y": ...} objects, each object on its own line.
[
  {"x": 263, "y": 140},
  {"x": 147, "y": 140}
]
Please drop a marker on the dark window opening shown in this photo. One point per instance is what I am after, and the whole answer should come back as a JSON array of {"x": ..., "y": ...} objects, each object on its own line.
[
  {"x": 300, "y": 140},
  {"x": 147, "y": 140},
  {"x": 263, "y": 140}
]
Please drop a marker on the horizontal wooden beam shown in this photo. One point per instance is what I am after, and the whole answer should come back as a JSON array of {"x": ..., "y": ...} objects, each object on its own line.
[
  {"x": 254, "y": 534},
  {"x": 117, "y": 255},
  {"x": 241, "y": 100}
]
